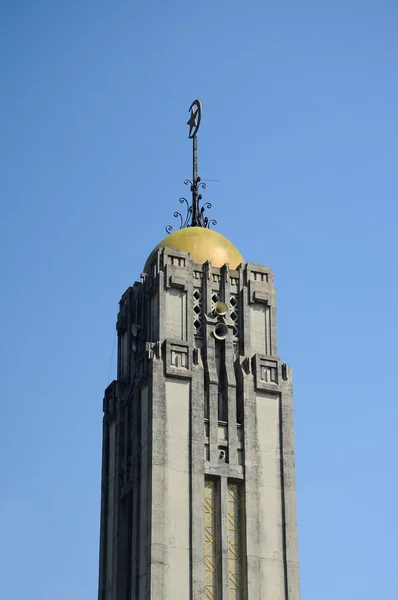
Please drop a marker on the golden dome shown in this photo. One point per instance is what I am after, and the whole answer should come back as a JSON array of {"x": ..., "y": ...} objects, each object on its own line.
[{"x": 203, "y": 244}]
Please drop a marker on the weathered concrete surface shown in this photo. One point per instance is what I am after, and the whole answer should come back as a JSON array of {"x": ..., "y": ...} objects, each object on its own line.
[{"x": 188, "y": 406}]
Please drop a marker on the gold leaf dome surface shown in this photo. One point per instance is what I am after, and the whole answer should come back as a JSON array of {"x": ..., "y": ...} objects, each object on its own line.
[{"x": 203, "y": 244}]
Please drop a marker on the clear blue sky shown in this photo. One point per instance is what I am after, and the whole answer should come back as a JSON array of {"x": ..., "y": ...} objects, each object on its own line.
[{"x": 300, "y": 129}]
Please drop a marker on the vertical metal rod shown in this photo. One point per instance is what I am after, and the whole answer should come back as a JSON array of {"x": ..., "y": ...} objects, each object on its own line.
[
  {"x": 195, "y": 159},
  {"x": 195, "y": 201}
]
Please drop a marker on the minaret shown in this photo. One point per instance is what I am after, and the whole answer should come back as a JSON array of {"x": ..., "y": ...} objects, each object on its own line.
[{"x": 198, "y": 475}]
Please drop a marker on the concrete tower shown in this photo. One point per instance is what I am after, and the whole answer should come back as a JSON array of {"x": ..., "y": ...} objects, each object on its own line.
[{"x": 198, "y": 475}]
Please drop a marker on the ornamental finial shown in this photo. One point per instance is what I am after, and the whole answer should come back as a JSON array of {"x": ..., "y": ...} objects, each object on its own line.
[{"x": 194, "y": 217}]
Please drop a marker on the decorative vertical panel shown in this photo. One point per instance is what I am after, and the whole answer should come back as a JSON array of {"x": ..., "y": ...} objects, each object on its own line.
[
  {"x": 176, "y": 314},
  {"x": 234, "y": 307},
  {"x": 270, "y": 495},
  {"x": 144, "y": 510},
  {"x": 150, "y": 319},
  {"x": 198, "y": 312},
  {"x": 215, "y": 297},
  {"x": 268, "y": 341},
  {"x": 111, "y": 502},
  {"x": 260, "y": 328},
  {"x": 235, "y": 542},
  {"x": 124, "y": 356},
  {"x": 210, "y": 524},
  {"x": 175, "y": 500}
]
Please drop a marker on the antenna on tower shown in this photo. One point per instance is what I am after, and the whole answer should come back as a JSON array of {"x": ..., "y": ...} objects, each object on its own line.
[{"x": 194, "y": 216}]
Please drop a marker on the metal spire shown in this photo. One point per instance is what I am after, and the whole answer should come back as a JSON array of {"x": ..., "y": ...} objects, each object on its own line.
[{"x": 194, "y": 217}]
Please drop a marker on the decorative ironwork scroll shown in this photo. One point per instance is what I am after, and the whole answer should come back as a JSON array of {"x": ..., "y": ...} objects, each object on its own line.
[{"x": 194, "y": 216}]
